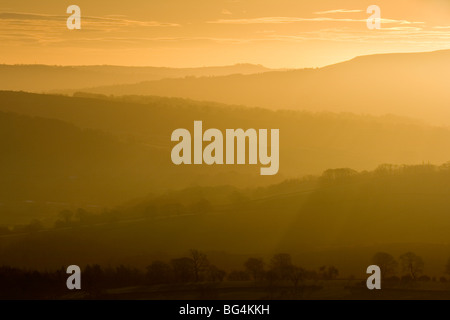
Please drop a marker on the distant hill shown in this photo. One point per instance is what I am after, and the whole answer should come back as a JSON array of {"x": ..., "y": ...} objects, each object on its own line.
[
  {"x": 104, "y": 151},
  {"x": 48, "y": 165},
  {"x": 408, "y": 84},
  {"x": 40, "y": 78},
  {"x": 309, "y": 142},
  {"x": 46, "y": 160}
]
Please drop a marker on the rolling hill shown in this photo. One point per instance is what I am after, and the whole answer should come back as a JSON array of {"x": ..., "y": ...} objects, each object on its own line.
[
  {"x": 103, "y": 151},
  {"x": 40, "y": 78},
  {"x": 309, "y": 142},
  {"x": 341, "y": 218},
  {"x": 406, "y": 84}
]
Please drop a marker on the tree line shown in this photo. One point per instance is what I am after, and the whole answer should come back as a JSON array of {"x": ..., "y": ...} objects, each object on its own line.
[{"x": 196, "y": 269}]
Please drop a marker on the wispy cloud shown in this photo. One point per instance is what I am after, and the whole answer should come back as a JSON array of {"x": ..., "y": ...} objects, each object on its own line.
[
  {"x": 17, "y": 17},
  {"x": 17, "y": 28},
  {"x": 281, "y": 20},
  {"x": 339, "y": 11},
  {"x": 398, "y": 34},
  {"x": 122, "y": 32}
]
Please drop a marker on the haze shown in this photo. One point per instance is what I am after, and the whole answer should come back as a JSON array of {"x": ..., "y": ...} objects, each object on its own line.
[{"x": 277, "y": 34}]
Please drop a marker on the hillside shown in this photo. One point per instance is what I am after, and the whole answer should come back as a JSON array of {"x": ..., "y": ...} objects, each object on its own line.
[
  {"x": 309, "y": 142},
  {"x": 64, "y": 152},
  {"x": 341, "y": 218},
  {"x": 49, "y": 165},
  {"x": 407, "y": 84},
  {"x": 40, "y": 78}
]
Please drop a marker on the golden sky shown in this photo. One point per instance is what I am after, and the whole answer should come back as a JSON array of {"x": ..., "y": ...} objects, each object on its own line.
[{"x": 187, "y": 33}]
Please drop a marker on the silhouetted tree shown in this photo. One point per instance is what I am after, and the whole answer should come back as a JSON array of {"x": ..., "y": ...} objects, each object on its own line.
[
  {"x": 237, "y": 275},
  {"x": 126, "y": 276},
  {"x": 200, "y": 263},
  {"x": 34, "y": 226},
  {"x": 183, "y": 269},
  {"x": 93, "y": 278},
  {"x": 159, "y": 272},
  {"x": 66, "y": 216},
  {"x": 255, "y": 267},
  {"x": 337, "y": 175},
  {"x": 214, "y": 274},
  {"x": 387, "y": 264},
  {"x": 296, "y": 275},
  {"x": 81, "y": 215},
  {"x": 281, "y": 264},
  {"x": 412, "y": 264},
  {"x": 328, "y": 272}
]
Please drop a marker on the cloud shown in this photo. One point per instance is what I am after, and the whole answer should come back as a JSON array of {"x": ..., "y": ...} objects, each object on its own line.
[
  {"x": 29, "y": 16},
  {"x": 404, "y": 28},
  {"x": 281, "y": 20},
  {"x": 21, "y": 16},
  {"x": 225, "y": 11},
  {"x": 399, "y": 34},
  {"x": 339, "y": 11}
]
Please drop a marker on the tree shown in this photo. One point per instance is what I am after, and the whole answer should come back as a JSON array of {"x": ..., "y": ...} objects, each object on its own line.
[
  {"x": 66, "y": 216},
  {"x": 329, "y": 273},
  {"x": 337, "y": 175},
  {"x": 201, "y": 207},
  {"x": 93, "y": 278},
  {"x": 81, "y": 215},
  {"x": 412, "y": 264},
  {"x": 447, "y": 267},
  {"x": 200, "y": 263},
  {"x": 236, "y": 275},
  {"x": 159, "y": 272},
  {"x": 183, "y": 269},
  {"x": 296, "y": 275},
  {"x": 34, "y": 226},
  {"x": 255, "y": 267},
  {"x": 215, "y": 274},
  {"x": 173, "y": 209},
  {"x": 386, "y": 262},
  {"x": 281, "y": 264}
]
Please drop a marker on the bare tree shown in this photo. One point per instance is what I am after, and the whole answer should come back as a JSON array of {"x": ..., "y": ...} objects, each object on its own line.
[
  {"x": 281, "y": 264},
  {"x": 201, "y": 263},
  {"x": 296, "y": 275},
  {"x": 328, "y": 272},
  {"x": 255, "y": 267},
  {"x": 412, "y": 264}
]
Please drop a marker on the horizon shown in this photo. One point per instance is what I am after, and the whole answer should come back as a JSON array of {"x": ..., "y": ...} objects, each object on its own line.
[
  {"x": 219, "y": 66},
  {"x": 290, "y": 34}
]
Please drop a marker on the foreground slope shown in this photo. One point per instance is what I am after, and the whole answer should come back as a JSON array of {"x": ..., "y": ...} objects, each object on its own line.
[{"x": 342, "y": 218}]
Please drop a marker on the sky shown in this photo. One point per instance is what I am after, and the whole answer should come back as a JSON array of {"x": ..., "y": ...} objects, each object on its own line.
[{"x": 195, "y": 33}]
